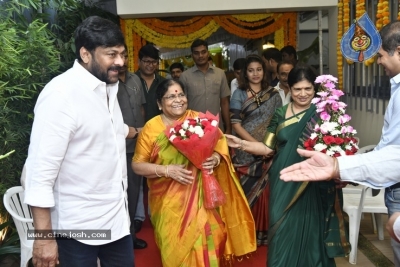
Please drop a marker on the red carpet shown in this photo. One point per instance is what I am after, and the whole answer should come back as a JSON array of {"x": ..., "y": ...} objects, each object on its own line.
[{"x": 150, "y": 256}]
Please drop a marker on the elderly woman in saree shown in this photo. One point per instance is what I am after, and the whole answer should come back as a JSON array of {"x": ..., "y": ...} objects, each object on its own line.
[
  {"x": 251, "y": 108},
  {"x": 187, "y": 233},
  {"x": 306, "y": 226}
]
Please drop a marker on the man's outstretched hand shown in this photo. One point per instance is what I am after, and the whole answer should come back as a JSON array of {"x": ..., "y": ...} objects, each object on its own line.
[{"x": 317, "y": 167}]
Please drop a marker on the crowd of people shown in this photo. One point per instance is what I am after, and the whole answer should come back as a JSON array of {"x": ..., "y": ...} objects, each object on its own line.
[{"x": 99, "y": 129}]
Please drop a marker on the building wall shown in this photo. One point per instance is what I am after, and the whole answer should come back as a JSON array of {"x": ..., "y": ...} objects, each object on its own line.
[
  {"x": 367, "y": 123},
  {"x": 156, "y": 8}
]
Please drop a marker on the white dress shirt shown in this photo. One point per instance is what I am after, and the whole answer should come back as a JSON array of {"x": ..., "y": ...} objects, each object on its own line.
[
  {"x": 376, "y": 169},
  {"x": 76, "y": 163},
  {"x": 234, "y": 86},
  {"x": 285, "y": 98}
]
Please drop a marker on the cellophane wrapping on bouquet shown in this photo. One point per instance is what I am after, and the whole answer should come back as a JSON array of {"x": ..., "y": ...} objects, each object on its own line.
[{"x": 196, "y": 138}]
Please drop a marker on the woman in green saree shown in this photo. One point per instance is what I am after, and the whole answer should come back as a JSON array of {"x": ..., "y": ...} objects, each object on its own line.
[
  {"x": 187, "y": 233},
  {"x": 252, "y": 106},
  {"x": 306, "y": 222}
]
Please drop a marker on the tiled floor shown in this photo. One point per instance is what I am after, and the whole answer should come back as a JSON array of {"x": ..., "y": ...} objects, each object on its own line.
[{"x": 366, "y": 228}]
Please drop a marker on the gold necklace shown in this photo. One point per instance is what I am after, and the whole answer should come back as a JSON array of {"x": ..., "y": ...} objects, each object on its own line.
[
  {"x": 256, "y": 96},
  {"x": 295, "y": 114}
]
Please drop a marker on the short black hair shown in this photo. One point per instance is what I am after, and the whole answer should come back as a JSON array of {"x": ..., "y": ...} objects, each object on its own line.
[
  {"x": 289, "y": 50},
  {"x": 390, "y": 35},
  {"x": 300, "y": 73},
  {"x": 163, "y": 87},
  {"x": 197, "y": 43},
  {"x": 149, "y": 51},
  {"x": 283, "y": 62},
  {"x": 96, "y": 32},
  {"x": 272, "y": 53},
  {"x": 176, "y": 65},
  {"x": 239, "y": 63}
]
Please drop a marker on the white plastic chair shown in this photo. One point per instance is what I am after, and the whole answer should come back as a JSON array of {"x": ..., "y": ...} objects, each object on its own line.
[
  {"x": 356, "y": 204},
  {"x": 14, "y": 203},
  {"x": 358, "y": 200}
]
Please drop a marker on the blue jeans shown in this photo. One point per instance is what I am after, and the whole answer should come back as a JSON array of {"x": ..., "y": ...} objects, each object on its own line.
[
  {"x": 392, "y": 202},
  {"x": 115, "y": 254}
]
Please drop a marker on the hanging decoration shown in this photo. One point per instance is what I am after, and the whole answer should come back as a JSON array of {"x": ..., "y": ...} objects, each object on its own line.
[
  {"x": 181, "y": 34},
  {"x": 362, "y": 41},
  {"x": 382, "y": 18}
]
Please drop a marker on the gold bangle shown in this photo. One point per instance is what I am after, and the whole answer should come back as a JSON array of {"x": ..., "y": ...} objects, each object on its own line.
[
  {"x": 218, "y": 160},
  {"x": 241, "y": 145},
  {"x": 155, "y": 170}
]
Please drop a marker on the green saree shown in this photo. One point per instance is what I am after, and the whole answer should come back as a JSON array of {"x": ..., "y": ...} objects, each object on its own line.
[{"x": 306, "y": 222}]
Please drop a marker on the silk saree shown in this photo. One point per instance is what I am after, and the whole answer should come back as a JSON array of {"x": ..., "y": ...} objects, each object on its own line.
[
  {"x": 250, "y": 168},
  {"x": 186, "y": 233},
  {"x": 306, "y": 220}
]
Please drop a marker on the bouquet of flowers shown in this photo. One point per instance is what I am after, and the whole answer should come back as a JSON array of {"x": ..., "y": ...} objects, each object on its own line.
[
  {"x": 196, "y": 138},
  {"x": 332, "y": 134}
]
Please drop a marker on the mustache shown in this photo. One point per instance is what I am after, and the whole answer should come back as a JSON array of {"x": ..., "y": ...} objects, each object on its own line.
[{"x": 115, "y": 68}]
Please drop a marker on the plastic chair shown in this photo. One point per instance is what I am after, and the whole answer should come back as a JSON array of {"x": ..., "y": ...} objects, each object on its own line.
[
  {"x": 14, "y": 203},
  {"x": 354, "y": 205}
]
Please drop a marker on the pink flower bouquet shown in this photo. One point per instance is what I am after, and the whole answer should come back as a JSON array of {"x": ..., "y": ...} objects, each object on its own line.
[
  {"x": 332, "y": 134},
  {"x": 196, "y": 138}
]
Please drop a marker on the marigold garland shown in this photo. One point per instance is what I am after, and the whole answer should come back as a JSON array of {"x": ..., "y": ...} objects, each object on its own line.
[
  {"x": 181, "y": 34},
  {"x": 281, "y": 21},
  {"x": 338, "y": 50},
  {"x": 279, "y": 38},
  {"x": 360, "y": 8},
  {"x": 173, "y": 41},
  {"x": 254, "y": 24},
  {"x": 253, "y": 17},
  {"x": 168, "y": 28}
]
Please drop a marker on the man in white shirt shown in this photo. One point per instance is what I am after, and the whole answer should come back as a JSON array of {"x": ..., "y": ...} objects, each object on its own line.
[
  {"x": 283, "y": 69},
  {"x": 76, "y": 167},
  {"x": 238, "y": 65}
]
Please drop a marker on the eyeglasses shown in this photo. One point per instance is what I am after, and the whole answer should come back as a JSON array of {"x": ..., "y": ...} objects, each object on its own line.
[
  {"x": 173, "y": 97},
  {"x": 150, "y": 62}
]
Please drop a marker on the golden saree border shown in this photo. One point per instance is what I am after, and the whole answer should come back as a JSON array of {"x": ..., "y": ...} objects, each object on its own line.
[
  {"x": 289, "y": 122},
  {"x": 270, "y": 140}
]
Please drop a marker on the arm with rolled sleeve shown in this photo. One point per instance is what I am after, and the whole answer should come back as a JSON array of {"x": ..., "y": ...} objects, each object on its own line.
[
  {"x": 52, "y": 129},
  {"x": 377, "y": 169}
]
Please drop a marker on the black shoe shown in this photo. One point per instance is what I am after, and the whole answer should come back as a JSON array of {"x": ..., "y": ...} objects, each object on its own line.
[
  {"x": 137, "y": 225},
  {"x": 139, "y": 244}
]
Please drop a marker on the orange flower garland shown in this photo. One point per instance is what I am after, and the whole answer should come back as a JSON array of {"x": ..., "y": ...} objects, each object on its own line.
[
  {"x": 182, "y": 34},
  {"x": 360, "y": 8},
  {"x": 338, "y": 51},
  {"x": 168, "y": 28}
]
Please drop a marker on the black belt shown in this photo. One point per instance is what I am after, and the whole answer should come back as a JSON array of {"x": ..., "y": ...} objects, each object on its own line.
[{"x": 394, "y": 186}]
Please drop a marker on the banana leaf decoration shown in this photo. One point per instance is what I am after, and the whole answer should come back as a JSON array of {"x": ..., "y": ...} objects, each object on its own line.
[{"x": 361, "y": 41}]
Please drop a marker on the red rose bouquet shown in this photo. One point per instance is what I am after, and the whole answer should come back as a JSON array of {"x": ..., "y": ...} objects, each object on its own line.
[
  {"x": 332, "y": 134},
  {"x": 196, "y": 138}
]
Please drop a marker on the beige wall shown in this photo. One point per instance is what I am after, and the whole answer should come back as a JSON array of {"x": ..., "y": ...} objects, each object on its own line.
[
  {"x": 162, "y": 8},
  {"x": 368, "y": 124}
]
